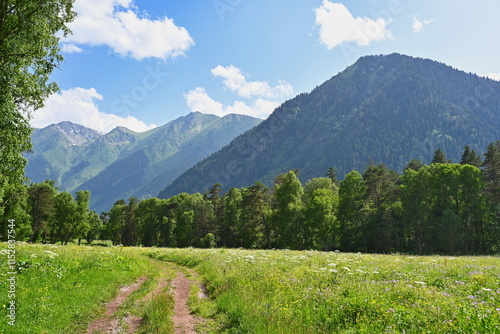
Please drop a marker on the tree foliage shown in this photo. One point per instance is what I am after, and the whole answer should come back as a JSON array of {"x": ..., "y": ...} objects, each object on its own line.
[
  {"x": 29, "y": 53},
  {"x": 438, "y": 208}
]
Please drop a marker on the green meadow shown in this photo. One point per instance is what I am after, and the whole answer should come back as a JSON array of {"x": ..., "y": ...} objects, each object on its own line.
[
  {"x": 317, "y": 292},
  {"x": 61, "y": 289}
]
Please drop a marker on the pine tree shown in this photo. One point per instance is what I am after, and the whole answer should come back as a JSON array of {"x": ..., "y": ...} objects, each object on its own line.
[
  {"x": 231, "y": 217},
  {"x": 491, "y": 171},
  {"x": 129, "y": 230},
  {"x": 41, "y": 206},
  {"x": 254, "y": 230},
  {"x": 439, "y": 157},
  {"x": 214, "y": 197},
  {"x": 332, "y": 174},
  {"x": 414, "y": 164},
  {"x": 470, "y": 157}
]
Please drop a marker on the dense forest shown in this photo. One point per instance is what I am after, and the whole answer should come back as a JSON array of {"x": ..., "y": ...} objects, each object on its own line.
[{"x": 441, "y": 208}]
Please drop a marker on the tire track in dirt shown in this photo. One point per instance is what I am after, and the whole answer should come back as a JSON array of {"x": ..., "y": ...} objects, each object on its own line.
[
  {"x": 107, "y": 323},
  {"x": 183, "y": 320}
]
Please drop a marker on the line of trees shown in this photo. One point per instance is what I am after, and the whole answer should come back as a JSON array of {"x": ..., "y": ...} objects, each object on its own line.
[
  {"x": 44, "y": 214},
  {"x": 438, "y": 208}
]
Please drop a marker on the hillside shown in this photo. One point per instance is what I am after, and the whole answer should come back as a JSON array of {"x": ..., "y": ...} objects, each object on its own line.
[
  {"x": 389, "y": 109},
  {"x": 55, "y": 147},
  {"x": 123, "y": 163}
]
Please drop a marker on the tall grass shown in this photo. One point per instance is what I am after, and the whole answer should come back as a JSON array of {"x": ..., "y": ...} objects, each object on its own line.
[
  {"x": 316, "y": 292},
  {"x": 158, "y": 315},
  {"x": 60, "y": 289}
]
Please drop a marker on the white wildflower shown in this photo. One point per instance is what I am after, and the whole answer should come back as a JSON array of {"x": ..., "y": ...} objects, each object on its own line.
[{"x": 51, "y": 253}]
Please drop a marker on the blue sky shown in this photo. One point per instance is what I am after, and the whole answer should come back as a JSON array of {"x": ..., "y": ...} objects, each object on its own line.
[{"x": 143, "y": 63}]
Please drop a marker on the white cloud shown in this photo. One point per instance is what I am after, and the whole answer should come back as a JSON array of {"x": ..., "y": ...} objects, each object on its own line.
[
  {"x": 199, "y": 100},
  {"x": 236, "y": 82},
  {"x": 418, "y": 25},
  {"x": 265, "y": 98},
  {"x": 115, "y": 23},
  {"x": 337, "y": 25},
  {"x": 494, "y": 76},
  {"x": 78, "y": 105},
  {"x": 71, "y": 48}
]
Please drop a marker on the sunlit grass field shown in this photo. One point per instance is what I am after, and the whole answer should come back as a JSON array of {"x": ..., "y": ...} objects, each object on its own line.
[
  {"x": 60, "y": 289},
  {"x": 317, "y": 292}
]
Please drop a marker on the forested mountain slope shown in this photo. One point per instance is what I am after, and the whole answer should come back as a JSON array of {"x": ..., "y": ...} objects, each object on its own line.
[{"x": 388, "y": 108}]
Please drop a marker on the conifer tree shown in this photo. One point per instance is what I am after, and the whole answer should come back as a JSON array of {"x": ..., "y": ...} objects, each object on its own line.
[
  {"x": 332, "y": 174},
  {"x": 470, "y": 157},
  {"x": 439, "y": 157},
  {"x": 491, "y": 171}
]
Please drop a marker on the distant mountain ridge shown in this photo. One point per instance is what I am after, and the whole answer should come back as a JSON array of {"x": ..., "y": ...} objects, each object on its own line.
[
  {"x": 123, "y": 163},
  {"x": 387, "y": 108}
]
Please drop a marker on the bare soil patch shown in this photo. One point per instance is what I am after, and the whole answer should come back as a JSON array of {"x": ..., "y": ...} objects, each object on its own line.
[
  {"x": 184, "y": 322},
  {"x": 107, "y": 323},
  {"x": 183, "y": 319}
]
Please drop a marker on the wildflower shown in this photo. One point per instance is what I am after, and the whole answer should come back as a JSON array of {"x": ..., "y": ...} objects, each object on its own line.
[
  {"x": 51, "y": 254},
  {"x": 420, "y": 282},
  {"x": 445, "y": 294}
]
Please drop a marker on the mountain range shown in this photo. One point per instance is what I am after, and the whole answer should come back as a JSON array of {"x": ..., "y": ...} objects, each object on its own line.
[
  {"x": 388, "y": 109},
  {"x": 123, "y": 163}
]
